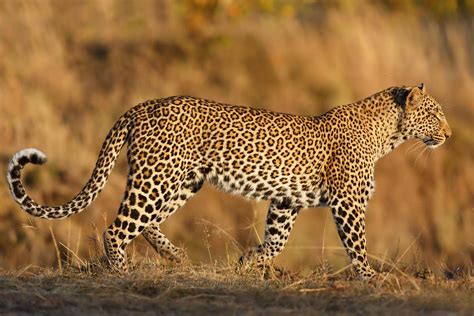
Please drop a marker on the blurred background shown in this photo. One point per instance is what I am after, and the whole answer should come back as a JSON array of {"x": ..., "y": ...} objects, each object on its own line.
[{"x": 69, "y": 69}]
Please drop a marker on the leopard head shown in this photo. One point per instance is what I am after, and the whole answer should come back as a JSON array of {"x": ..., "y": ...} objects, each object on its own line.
[{"x": 422, "y": 117}]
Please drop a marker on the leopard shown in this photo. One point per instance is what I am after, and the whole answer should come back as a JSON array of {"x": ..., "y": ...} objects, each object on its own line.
[{"x": 178, "y": 143}]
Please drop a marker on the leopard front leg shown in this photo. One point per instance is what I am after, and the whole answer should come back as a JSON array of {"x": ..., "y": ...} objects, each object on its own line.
[
  {"x": 277, "y": 230},
  {"x": 350, "y": 222}
]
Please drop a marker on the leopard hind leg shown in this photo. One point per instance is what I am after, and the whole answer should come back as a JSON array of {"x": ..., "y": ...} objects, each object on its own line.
[
  {"x": 136, "y": 213},
  {"x": 172, "y": 201},
  {"x": 162, "y": 245}
]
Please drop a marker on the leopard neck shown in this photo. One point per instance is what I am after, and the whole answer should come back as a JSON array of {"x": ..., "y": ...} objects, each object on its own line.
[{"x": 385, "y": 118}]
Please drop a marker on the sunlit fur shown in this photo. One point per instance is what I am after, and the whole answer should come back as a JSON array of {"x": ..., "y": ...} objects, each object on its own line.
[{"x": 176, "y": 144}]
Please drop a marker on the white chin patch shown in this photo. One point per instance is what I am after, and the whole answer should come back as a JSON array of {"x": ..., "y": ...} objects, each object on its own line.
[{"x": 435, "y": 145}]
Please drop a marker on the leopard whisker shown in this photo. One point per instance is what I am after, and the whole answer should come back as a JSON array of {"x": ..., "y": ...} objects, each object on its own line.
[
  {"x": 414, "y": 147},
  {"x": 420, "y": 154}
]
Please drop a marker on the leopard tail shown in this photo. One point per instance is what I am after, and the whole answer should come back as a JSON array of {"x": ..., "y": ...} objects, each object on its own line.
[{"x": 108, "y": 155}]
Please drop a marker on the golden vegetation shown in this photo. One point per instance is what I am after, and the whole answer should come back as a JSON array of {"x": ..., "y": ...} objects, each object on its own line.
[
  {"x": 69, "y": 69},
  {"x": 216, "y": 289}
]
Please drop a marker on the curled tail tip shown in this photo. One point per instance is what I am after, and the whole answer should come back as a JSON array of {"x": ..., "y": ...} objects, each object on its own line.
[
  {"x": 20, "y": 159},
  {"x": 29, "y": 155}
]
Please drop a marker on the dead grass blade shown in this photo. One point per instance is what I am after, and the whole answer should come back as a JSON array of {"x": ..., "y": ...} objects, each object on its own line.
[
  {"x": 234, "y": 242},
  {"x": 58, "y": 253},
  {"x": 81, "y": 262}
]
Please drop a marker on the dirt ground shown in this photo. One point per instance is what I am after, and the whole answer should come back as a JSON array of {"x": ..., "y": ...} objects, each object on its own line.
[{"x": 201, "y": 290}]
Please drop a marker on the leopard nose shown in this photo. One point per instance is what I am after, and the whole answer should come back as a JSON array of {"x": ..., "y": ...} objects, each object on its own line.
[{"x": 447, "y": 133}]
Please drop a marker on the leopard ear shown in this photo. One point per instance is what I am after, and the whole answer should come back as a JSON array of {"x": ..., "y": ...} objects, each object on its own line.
[
  {"x": 415, "y": 97},
  {"x": 422, "y": 87}
]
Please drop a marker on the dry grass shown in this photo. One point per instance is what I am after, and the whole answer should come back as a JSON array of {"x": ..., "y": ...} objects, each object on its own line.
[
  {"x": 158, "y": 287},
  {"x": 69, "y": 69},
  {"x": 216, "y": 289}
]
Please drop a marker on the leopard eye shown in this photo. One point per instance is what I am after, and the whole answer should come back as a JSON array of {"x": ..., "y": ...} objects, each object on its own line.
[{"x": 438, "y": 115}]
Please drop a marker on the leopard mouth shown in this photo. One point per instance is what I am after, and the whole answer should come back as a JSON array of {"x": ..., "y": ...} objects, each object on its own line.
[{"x": 433, "y": 142}]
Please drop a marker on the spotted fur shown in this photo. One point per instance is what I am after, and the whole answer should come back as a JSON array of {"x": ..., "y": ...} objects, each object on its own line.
[{"x": 178, "y": 143}]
